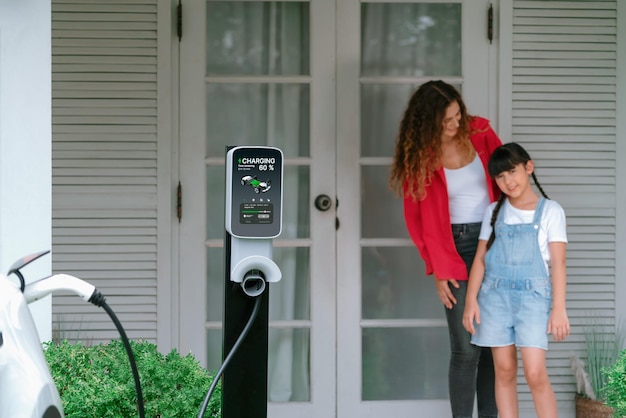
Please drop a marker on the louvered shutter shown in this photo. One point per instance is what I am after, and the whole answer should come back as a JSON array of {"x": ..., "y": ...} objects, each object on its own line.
[
  {"x": 564, "y": 114},
  {"x": 104, "y": 226}
]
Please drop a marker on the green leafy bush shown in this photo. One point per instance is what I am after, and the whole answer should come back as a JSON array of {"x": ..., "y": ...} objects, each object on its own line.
[
  {"x": 97, "y": 381},
  {"x": 615, "y": 388}
]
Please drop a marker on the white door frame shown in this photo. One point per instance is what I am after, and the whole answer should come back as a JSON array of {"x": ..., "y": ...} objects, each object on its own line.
[{"x": 191, "y": 237}]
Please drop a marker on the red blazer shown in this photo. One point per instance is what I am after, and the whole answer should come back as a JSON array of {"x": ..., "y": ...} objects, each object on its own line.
[{"x": 428, "y": 220}]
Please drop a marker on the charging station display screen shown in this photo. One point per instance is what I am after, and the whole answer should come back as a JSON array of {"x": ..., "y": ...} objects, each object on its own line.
[{"x": 256, "y": 191}]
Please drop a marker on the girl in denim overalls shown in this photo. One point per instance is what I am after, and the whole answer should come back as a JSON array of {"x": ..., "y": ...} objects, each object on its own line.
[{"x": 516, "y": 304}]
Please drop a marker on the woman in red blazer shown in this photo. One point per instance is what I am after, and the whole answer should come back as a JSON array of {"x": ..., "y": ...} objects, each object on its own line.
[{"x": 440, "y": 169}]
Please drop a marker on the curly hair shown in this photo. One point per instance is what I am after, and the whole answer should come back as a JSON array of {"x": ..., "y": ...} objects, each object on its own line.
[{"x": 418, "y": 144}]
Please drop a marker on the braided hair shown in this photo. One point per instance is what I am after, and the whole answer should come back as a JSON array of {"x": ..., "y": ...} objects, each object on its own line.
[{"x": 504, "y": 158}]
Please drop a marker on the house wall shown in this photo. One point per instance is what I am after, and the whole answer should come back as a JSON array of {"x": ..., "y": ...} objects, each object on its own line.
[
  {"x": 562, "y": 95},
  {"x": 25, "y": 138},
  {"x": 562, "y": 89},
  {"x": 620, "y": 190}
]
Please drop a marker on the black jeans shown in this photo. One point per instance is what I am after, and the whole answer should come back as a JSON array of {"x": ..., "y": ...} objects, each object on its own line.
[{"x": 471, "y": 367}]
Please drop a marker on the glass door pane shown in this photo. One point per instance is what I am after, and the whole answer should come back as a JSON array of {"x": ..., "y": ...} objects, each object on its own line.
[
  {"x": 411, "y": 39},
  {"x": 257, "y": 38}
]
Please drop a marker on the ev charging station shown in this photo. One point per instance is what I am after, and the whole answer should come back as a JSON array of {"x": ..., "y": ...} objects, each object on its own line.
[{"x": 253, "y": 215}]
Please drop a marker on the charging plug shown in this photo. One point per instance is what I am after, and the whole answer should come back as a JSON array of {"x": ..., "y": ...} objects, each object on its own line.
[{"x": 253, "y": 283}]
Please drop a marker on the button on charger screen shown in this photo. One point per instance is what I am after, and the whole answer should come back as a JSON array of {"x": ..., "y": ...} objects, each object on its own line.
[{"x": 256, "y": 213}]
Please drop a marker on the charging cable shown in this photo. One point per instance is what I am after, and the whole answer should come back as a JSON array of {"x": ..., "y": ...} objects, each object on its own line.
[
  {"x": 88, "y": 292},
  {"x": 218, "y": 375},
  {"x": 99, "y": 300}
]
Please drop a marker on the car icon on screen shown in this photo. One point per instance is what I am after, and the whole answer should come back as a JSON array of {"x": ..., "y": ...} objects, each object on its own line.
[{"x": 258, "y": 185}]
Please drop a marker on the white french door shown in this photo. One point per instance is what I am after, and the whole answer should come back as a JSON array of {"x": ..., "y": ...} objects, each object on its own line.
[
  {"x": 263, "y": 73},
  {"x": 393, "y": 348},
  {"x": 355, "y": 328}
]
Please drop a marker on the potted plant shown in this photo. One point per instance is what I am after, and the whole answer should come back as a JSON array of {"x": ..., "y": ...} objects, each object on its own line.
[
  {"x": 615, "y": 388},
  {"x": 602, "y": 346}
]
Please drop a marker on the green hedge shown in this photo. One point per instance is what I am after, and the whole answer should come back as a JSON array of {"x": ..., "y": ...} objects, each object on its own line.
[
  {"x": 97, "y": 381},
  {"x": 615, "y": 389}
]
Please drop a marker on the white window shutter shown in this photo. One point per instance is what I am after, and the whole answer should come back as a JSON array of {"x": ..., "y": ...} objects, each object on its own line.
[
  {"x": 104, "y": 91},
  {"x": 564, "y": 114}
]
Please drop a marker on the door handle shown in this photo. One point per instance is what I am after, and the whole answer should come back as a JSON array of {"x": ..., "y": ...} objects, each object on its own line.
[{"x": 323, "y": 202}]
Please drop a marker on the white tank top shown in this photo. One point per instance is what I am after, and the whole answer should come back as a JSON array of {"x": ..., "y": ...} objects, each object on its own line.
[{"x": 467, "y": 193}]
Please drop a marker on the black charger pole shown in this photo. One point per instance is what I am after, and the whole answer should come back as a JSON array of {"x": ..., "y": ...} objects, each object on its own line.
[
  {"x": 253, "y": 217},
  {"x": 244, "y": 384}
]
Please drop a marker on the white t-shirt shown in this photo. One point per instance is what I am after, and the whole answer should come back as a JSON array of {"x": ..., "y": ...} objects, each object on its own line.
[
  {"x": 467, "y": 192},
  {"x": 552, "y": 227}
]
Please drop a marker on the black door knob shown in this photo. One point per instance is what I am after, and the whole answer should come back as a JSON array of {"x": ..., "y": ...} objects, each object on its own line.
[{"x": 323, "y": 202}]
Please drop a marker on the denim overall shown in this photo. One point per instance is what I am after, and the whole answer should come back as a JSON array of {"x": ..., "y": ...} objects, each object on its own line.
[{"x": 515, "y": 296}]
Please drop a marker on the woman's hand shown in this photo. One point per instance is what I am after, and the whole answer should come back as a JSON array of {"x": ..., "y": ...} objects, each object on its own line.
[
  {"x": 471, "y": 314},
  {"x": 444, "y": 292}
]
